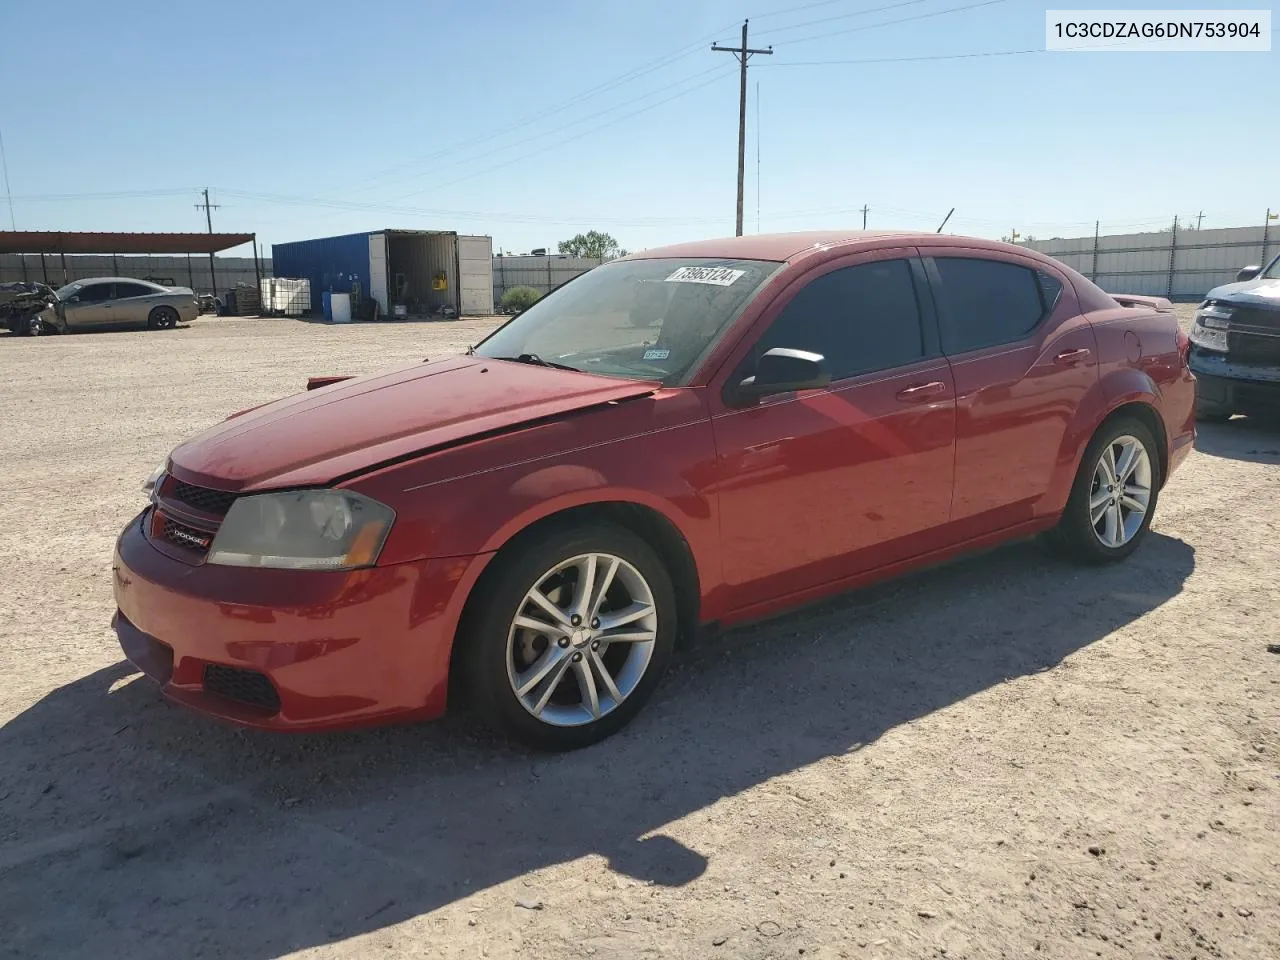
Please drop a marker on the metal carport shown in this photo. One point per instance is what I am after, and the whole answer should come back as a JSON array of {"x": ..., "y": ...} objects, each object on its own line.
[{"x": 49, "y": 242}]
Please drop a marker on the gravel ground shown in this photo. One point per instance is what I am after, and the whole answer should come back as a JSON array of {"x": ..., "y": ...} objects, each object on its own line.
[{"x": 1007, "y": 756}]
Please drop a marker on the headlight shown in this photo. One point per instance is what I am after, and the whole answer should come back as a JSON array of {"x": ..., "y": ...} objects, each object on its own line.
[
  {"x": 302, "y": 530},
  {"x": 1213, "y": 321}
]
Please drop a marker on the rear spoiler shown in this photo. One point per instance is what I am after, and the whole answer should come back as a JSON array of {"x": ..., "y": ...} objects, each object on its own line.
[
  {"x": 1158, "y": 304},
  {"x": 314, "y": 383}
]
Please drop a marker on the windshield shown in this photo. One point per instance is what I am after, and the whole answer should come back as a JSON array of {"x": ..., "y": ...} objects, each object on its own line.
[
  {"x": 68, "y": 291},
  {"x": 642, "y": 319},
  {"x": 1272, "y": 272}
]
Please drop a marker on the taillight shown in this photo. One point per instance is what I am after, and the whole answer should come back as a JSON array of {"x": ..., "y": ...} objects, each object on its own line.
[{"x": 1184, "y": 347}]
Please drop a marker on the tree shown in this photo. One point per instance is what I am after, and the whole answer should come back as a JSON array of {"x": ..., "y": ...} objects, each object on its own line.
[
  {"x": 520, "y": 298},
  {"x": 592, "y": 244}
]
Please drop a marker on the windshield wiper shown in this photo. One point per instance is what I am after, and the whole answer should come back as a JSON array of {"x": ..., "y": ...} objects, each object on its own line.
[{"x": 537, "y": 361}]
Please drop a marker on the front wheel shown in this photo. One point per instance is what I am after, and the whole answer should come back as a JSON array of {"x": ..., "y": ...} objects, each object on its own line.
[
  {"x": 37, "y": 327},
  {"x": 570, "y": 636},
  {"x": 1114, "y": 495}
]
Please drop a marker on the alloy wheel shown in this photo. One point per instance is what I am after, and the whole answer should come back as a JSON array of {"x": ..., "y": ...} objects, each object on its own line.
[
  {"x": 1121, "y": 491},
  {"x": 581, "y": 639}
]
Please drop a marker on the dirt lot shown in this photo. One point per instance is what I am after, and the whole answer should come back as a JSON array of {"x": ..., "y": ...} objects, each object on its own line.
[{"x": 1007, "y": 757}]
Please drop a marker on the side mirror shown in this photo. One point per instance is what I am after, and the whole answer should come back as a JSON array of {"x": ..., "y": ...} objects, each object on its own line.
[
  {"x": 1248, "y": 273},
  {"x": 784, "y": 370}
]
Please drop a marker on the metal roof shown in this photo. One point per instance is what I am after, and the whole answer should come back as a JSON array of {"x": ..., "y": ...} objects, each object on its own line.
[{"x": 53, "y": 241}]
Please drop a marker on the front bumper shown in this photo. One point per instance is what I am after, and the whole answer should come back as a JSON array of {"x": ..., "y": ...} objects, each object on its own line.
[
  {"x": 306, "y": 650},
  {"x": 1242, "y": 388}
]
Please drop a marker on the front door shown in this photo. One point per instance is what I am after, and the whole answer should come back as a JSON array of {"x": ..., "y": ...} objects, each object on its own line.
[
  {"x": 90, "y": 306},
  {"x": 1024, "y": 360},
  {"x": 819, "y": 485}
]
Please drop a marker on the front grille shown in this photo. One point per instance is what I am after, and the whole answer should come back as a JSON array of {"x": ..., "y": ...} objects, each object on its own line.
[
  {"x": 202, "y": 498},
  {"x": 1262, "y": 317},
  {"x": 189, "y": 538},
  {"x": 243, "y": 686},
  {"x": 1253, "y": 349}
]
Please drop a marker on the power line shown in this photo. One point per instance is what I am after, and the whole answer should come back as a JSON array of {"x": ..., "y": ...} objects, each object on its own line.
[
  {"x": 560, "y": 143},
  {"x": 554, "y": 131},
  {"x": 844, "y": 16},
  {"x": 634, "y": 74},
  {"x": 802, "y": 6},
  {"x": 889, "y": 23},
  {"x": 940, "y": 56},
  {"x": 109, "y": 195}
]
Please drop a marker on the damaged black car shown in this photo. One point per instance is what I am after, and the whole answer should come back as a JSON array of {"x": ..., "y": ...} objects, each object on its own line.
[
  {"x": 1235, "y": 346},
  {"x": 22, "y": 302}
]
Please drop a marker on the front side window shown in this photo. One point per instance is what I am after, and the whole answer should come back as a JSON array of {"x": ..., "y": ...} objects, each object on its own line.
[
  {"x": 989, "y": 302},
  {"x": 95, "y": 293},
  {"x": 860, "y": 318},
  {"x": 640, "y": 319}
]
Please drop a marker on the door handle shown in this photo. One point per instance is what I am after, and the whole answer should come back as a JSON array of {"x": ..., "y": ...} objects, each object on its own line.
[
  {"x": 1072, "y": 356},
  {"x": 922, "y": 391}
]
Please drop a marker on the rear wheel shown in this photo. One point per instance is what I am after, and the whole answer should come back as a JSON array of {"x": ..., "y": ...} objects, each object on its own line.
[
  {"x": 570, "y": 636},
  {"x": 1114, "y": 494},
  {"x": 162, "y": 318}
]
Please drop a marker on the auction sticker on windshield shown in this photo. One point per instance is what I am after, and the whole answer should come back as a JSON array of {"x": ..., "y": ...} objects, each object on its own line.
[{"x": 717, "y": 276}]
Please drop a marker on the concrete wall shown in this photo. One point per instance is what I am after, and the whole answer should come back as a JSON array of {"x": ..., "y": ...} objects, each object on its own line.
[
  {"x": 1158, "y": 264},
  {"x": 228, "y": 270},
  {"x": 542, "y": 273}
]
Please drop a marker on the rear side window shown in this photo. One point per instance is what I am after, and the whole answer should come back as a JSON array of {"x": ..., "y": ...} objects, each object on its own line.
[
  {"x": 132, "y": 290},
  {"x": 861, "y": 318},
  {"x": 989, "y": 302},
  {"x": 1050, "y": 290}
]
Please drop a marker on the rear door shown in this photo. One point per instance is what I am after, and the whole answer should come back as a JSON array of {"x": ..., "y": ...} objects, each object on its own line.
[
  {"x": 90, "y": 306},
  {"x": 1023, "y": 360},
  {"x": 133, "y": 302},
  {"x": 819, "y": 485}
]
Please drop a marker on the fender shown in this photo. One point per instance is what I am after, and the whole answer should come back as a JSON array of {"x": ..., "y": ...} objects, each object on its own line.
[
  {"x": 1114, "y": 389},
  {"x": 473, "y": 499}
]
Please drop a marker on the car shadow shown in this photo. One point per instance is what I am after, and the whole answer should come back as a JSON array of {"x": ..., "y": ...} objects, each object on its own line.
[
  {"x": 132, "y": 826},
  {"x": 1253, "y": 439}
]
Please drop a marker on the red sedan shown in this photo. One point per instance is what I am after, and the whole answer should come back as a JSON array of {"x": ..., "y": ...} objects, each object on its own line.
[{"x": 697, "y": 435}]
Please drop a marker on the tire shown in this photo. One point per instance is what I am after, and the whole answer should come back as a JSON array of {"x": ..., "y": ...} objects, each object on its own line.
[
  {"x": 162, "y": 318},
  {"x": 35, "y": 327},
  {"x": 1077, "y": 534},
  {"x": 497, "y": 654},
  {"x": 1209, "y": 412}
]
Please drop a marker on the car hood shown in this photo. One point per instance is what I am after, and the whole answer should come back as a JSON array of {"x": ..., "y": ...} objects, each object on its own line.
[
  {"x": 349, "y": 427},
  {"x": 1263, "y": 293}
]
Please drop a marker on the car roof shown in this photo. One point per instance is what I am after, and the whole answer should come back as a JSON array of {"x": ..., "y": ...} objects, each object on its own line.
[
  {"x": 794, "y": 246},
  {"x": 88, "y": 280}
]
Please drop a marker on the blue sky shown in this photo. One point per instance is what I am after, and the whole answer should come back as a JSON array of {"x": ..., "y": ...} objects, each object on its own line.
[{"x": 532, "y": 121}]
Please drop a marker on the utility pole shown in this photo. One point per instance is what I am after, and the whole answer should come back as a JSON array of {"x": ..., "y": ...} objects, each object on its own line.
[
  {"x": 1266, "y": 235},
  {"x": 1199, "y": 219},
  {"x": 865, "y": 208},
  {"x": 208, "y": 218},
  {"x": 743, "y": 54}
]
